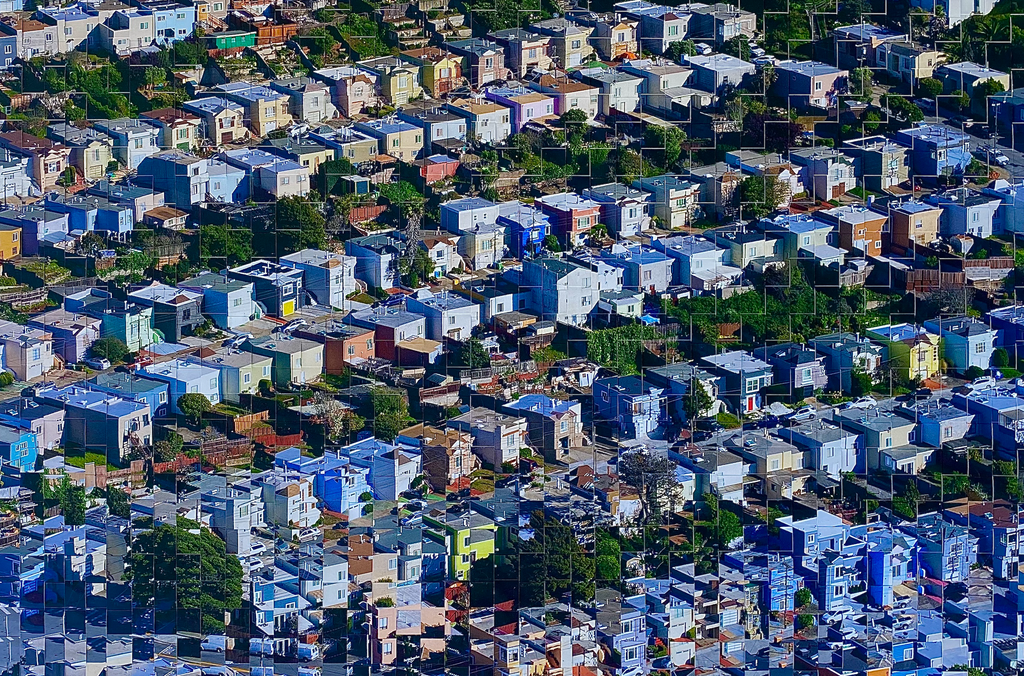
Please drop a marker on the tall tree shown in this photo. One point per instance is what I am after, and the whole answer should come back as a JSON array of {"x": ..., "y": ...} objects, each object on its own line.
[
  {"x": 651, "y": 475},
  {"x": 761, "y": 195}
]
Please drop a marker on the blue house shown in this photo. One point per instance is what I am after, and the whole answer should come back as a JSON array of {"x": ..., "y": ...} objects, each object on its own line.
[
  {"x": 939, "y": 422},
  {"x": 967, "y": 342},
  {"x": 998, "y": 527},
  {"x": 8, "y": 48},
  {"x": 87, "y": 213},
  {"x": 946, "y": 550},
  {"x": 633, "y": 405},
  {"x": 173, "y": 21},
  {"x": 890, "y": 560},
  {"x": 526, "y": 227},
  {"x": 622, "y": 627},
  {"x": 967, "y": 212},
  {"x": 227, "y": 183},
  {"x": 181, "y": 176},
  {"x": 808, "y": 537},
  {"x": 336, "y": 480},
  {"x": 18, "y": 448},
  {"x": 1008, "y": 323},
  {"x": 135, "y": 388},
  {"x": 936, "y": 150},
  {"x": 781, "y": 584}
]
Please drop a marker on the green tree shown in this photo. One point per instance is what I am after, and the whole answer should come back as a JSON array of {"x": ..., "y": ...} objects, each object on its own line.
[
  {"x": 982, "y": 92},
  {"x": 677, "y": 50},
  {"x": 553, "y": 563},
  {"x": 1000, "y": 358},
  {"x": 651, "y": 475},
  {"x": 193, "y": 405},
  {"x": 860, "y": 83},
  {"x": 608, "y": 553},
  {"x": 300, "y": 225},
  {"x": 959, "y": 100},
  {"x": 663, "y": 145},
  {"x": 761, "y": 195},
  {"x": 221, "y": 246},
  {"x": 168, "y": 449},
  {"x": 406, "y": 202},
  {"x": 696, "y": 401},
  {"x": 390, "y": 413},
  {"x": 551, "y": 243},
  {"x": 929, "y": 88},
  {"x": 112, "y": 349},
  {"x": 803, "y": 597},
  {"x": 422, "y": 266},
  {"x": 804, "y": 621},
  {"x": 473, "y": 355},
  {"x": 328, "y": 176},
  {"x": 118, "y": 503}
]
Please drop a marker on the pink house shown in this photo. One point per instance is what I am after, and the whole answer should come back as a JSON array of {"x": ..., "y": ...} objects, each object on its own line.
[{"x": 526, "y": 105}]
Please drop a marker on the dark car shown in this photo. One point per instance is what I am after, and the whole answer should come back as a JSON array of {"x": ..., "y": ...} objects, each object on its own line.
[
  {"x": 707, "y": 425},
  {"x": 701, "y": 436},
  {"x": 765, "y": 423}
]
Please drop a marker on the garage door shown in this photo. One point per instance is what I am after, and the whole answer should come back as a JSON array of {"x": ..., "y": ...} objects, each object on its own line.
[{"x": 287, "y": 308}]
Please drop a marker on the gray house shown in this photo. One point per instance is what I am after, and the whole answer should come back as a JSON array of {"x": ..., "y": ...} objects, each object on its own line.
[
  {"x": 744, "y": 376},
  {"x": 309, "y": 100},
  {"x": 625, "y": 210},
  {"x": 966, "y": 212},
  {"x": 796, "y": 366},
  {"x": 643, "y": 268},
  {"x": 677, "y": 380},
  {"x": 967, "y": 342},
  {"x": 175, "y": 311},
  {"x": 846, "y": 352},
  {"x": 714, "y": 72},
  {"x": 832, "y": 450}
]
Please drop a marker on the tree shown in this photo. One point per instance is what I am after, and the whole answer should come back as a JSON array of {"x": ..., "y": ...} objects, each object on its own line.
[
  {"x": 69, "y": 496},
  {"x": 761, "y": 195},
  {"x": 959, "y": 100},
  {"x": 551, "y": 243},
  {"x": 168, "y": 449},
  {"x": 422, "y": 266},
  {"x": 772, "y": 132},
  {"x": 929, "y": 88},
  {"x": 677, "y": 50},
  {"x": 664, "y": 145},
  {"x": 629, "y": 166},
  {"x": 860, "y": 82},
  {"x": 803, "y": 597},
  {"x": 300, "y": 225},
  {"x": 112, "y": 349},
  {"x": 575, "y": 124},
  {"x": 804, "y": 621},
  {"x": 473, "y": 355},
  {"x": 608, "y": 553},
  {"x": 118, "y": 503},
  {"x": 553, "y": 563},
  {"x": 1000, "y": 358},
  {"x": 194, "y": 405},
  {"x": 696, "y": 401},
  {"x": 982, "y": 92},
  {"x": 651, "y": 475},
  {"x": 328, "y": 176},
  {"x": 206, "y": 578},
  {"x": 390, "y": 413},
  {"x": 338, "y": 420},
  {"x": 223, "y": 245}
]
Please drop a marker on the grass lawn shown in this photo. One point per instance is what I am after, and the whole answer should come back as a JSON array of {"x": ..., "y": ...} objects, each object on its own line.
[
  {"x": 79, "y": 461},
  {"x": 728, "y": 420},
  {"x": 483, "y": 485}
]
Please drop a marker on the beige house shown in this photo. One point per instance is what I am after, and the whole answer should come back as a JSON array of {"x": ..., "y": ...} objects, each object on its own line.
[
  {"x": 240, "y": 372},
  {"x": 570, "y": 46},
  {"x": 296, "y": 360},
  {"x": 910, "y": 62},
  {"x": 914, "y": 221},
  {"x": 395, "y": 137},
  {"x": 224, "y": 120},
  {"x": 48, "y": 160},
  {"x": 180, "y": 128},
  {"x": 91, "y": 149},
  {"x": 397, "y": 81},
  {"x": 266, "y": 109}
]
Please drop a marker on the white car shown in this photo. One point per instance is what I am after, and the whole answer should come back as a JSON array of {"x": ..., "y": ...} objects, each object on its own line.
[
  {"x": 98, "y": 363},
  {"x": 309, "y": 534},
  {"x": 836, "y": 615},
  {"x": 256, "y": 565},
  {"x": 983, "y": 383},
  {"x": 258, "y": 548},
  {"x": 863, "y": 402},
  {"x": 802, "y": 413}
]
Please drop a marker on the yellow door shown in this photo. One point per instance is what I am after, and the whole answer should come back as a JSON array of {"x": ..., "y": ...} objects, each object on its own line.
[{"x": 287, "y": 308}]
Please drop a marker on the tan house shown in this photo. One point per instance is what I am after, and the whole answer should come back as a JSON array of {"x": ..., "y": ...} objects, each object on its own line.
[
  {"x": 570, "y": 46},
  {"x": 47, "y": 160},
  {"x": 914, "y": 221},
  {"x": 447, "y": 454},
  {"x": 569, "y": 94},
  {"x": 225, "y": 120},
  {"x": 398, "y": 81},
  {"x": 180, "y": 128},
  {"x": 440, "y": 71},
  {"x": 266, "y": 110},
  {"x": 91, "y": 149},
  {"x": 910, "y": 62},
  {"x": 395, "y": 137}
]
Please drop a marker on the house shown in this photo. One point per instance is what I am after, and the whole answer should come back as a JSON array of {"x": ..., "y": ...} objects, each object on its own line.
[
  {"x": 847, "y": 353},
  {"x": 697, "y": 262},
  {"x": 305, "y": 151},
  {"x": 134, "y": 139},
  {"x": 279, "y": 288},
  {"x": 526, "y": 105},
  {"x": 643, "y": 269},
  {"x": 614, "y": 37},
  {"x": 622, "y": 628},
  {"x": 87, "y": 213},
  {"x": 721, "y": 22},
  {"x": 449, "y": 316},
  {"x": 126, "y": 32},
  {"x": 939, "y": 422},
  {"x": 289, "y": 503},
  {"x": 526, "y": 225},
  {"x": 882, "y": 431},
  {"x": 966, "y": 342},
  {"x": 168, "y": 218},
  {"x": 264, "y": 109},
  {"x": 440, "y": 71},
  {"x": 336, "y": 481},
  {"x": 572, "y": 216},
  {"x": 47, "y": 160},
  {"x": 678, "y": 380},
  {"x": 659, "y": 26},
  {"x": 966, "y": 212},
  {"x": 392, "y": 468},
  {"x": 619, "y": 303},
  {"x": 965, "y": 76},
  {"x": 437, "y": 123},
  {"x": 997, "y": 526},
  {"x": 496, "y": 296},
  {"x": 910, "y": 349},
  {"x": 757, "y": 163},
  {"x": 394, "y": 137},
  {"x": 269, "y": 174},
  {"x": 913, "y": 221},
  {"x": 97, "y": 421},
  {"x": 37, "y": 224},
  {"x": 777, "y": 464},
  {"x": 833, "y": 449},
  {"x": 858, "y": 46},
  {"x": 954, "y": 11},
  {"x": 44, "y": 421},
  {"x": 172, "y": 21},
  {"x": 223, "y": 120},
  {"x": 554, "y": 425},
  {"x": 75, "y": 22},
  {"x": 857, "y": 228},
  {"x": 128, "y": 322},
  {"x": 27, "y": 351},
  {"x": 569, "y": 94},
  {"x": 131, "y": 386},
  {"x": 619, "y": 90},
  {"x": 343, "y": 344},
  {"x": 797, "y": 367},
  {"x": 747, "y": 247},
  {"x": 483, "y": 60},
  {"x": 180, "y": 128},
  {"x": 808, "y": 84},
  {"x": 309, "y": 100},
  {"x": 743, "y": 375},
  {"x": 139, "y": 198},
  {"x": 228, "y": 302},
  {"x": 354, "y": 90},
  {"x": 391, "y": 325},
  {"x": 487, "y": 121},
  {"x": 398, "y": 82},
  {"x": 240, "y": 372},
  {"x": 630, "y": 404},
  {"x": 883, "y": 162},
  {"x": 718, "y": 190},
  {"x": 569, "y": 46},
  {"x": 667, "y": 89},
  {"x": 908, "y": 61},
  {"x": 15, "y": 175},
  {"x": 10, "y": 242},
  {"x": 674, "y": 200},
  {"x": 296, "y": 360},
  {"x": 377, "y": 259},
  {"x": 229, "y": 41},
  {"x": 183, "y": 178},
  {"x": 714, "y": 72},
  {"x": 798, "y": 232},
  {"x": 186, "y": 377},
  {"x": 946, "y": 550},
  {"x": 560, "y": 290},
  {"x": 91, "y": 149},
  {"x": 73, "y": 333},
  {"x": 525, "y": 50},
  {"x": 447, "y": 454},
  {"x": 826, "y": 173},
  {"x": 468, "y": 538},
  {"x": 936, "y": 150},
  {"x": 329, "y": 277},
  {"x": 176, "y": 311},
  {"x": 497, "y": 437}
]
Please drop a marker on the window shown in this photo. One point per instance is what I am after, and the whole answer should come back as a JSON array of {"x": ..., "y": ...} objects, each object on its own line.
[
  {"x": 35, "y": 354},
  {"x": 388, "y": 648},
  {"x": 451, "y": 320},
  {"x": 392, "y": 564},
  {"x": 285, "y": 180},
  {"x": 213, "y": 383},
  {"x": 564, "y": 426},
  {"x": 68, "y": 31},
  {"x": 162, "y": 398},
  {"x": 382, "y": 623},
  {"x": 193, "y": 389},
  {"x": 7, "y": 49},
  {"x": 161, "y": 18},
  {"x": 576, "y": 44},
  {"x": 488, "y": 63},
  {"x": 144, "y": 25},
  {"x": 138, "y": 144},
  {"x": 775, "y": 465},
  {"x": 266, "y": 371},
  {"x": 979, "y": 348},
  {"x": 673, "y": 31},
  {"x": 817, "y": 86},
  {"x": 246, "y": 378}
]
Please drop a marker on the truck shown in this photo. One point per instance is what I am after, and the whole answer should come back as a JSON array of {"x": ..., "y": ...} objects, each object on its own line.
[{"x": 308, "y": 652}]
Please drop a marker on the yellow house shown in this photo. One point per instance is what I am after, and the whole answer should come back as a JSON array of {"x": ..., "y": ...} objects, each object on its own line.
[
  {"x": 468, "y": 537},
  {"x": 10, "y": 242},
  {"x": 440, "y": 71},
  {"x": 398, "y": 81},
  {"x": 266, "y": 109},
  {"x": 395, "y": 137},
  {"x": 912, "y": 351}
]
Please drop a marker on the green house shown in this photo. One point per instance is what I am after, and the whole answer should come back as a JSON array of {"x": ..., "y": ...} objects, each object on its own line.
[{"x": 230, "y": 40}]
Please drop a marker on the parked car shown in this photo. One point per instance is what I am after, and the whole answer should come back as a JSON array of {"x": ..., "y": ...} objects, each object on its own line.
[
  {"x": 983, "y": 382},
  {"x": 98, "y": 363},
  {"x": 766, "y": 423},
  {"x": 863, "y": 402},
  {"x": 707, "y": 425},
  {"x": 258, "y": 548},
  {"x": 309, "y": 534},
  {"x": 802, "y": 413},
  {"x": 217, "y": 644}
]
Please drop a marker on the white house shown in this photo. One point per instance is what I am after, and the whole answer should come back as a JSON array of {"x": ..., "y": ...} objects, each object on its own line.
[
  {"x": 183, "y": 377},
  {"x": 330, "y": 277}
]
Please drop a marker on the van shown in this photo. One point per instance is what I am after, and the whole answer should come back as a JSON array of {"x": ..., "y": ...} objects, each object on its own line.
[
  {"x": 261, "y": 646},
  {"x": 217, "y": 644},
  {"x": 308, "y": 652}
]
